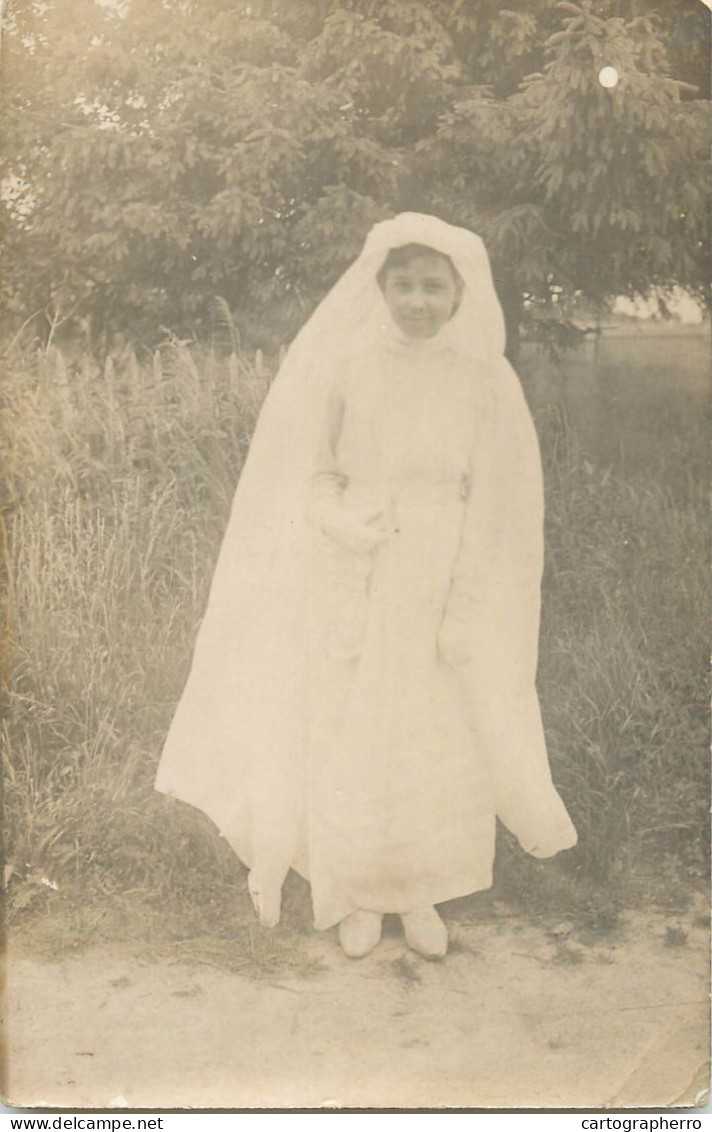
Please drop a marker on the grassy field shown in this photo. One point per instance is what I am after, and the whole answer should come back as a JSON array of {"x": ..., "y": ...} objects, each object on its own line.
[{"x": 119, "y": 479}]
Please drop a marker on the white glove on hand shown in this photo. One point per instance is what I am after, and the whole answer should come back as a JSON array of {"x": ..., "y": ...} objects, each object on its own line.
[{"x": 359, "y": 534}]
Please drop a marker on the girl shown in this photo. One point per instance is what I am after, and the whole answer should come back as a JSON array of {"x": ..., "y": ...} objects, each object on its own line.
[{"x": 362, "y": 699}]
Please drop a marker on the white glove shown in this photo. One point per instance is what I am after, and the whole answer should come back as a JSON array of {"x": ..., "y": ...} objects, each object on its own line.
[{"x": 358, "y": 533}]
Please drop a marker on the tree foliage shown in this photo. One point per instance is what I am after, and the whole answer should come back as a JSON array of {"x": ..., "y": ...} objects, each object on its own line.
[{"x": 161, "y": 154}]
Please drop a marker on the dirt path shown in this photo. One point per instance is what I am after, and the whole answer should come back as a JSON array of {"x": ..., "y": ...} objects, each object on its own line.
[{"x": 518, "y": 1015}]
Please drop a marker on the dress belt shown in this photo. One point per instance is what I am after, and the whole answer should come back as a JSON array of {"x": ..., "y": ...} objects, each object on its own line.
[{"x": 407, "y": 489}]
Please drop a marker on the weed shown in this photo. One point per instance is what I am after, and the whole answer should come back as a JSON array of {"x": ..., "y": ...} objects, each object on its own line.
[
  {"x": 566, "y": 956},
  {"x": 602, "y": 921},
  {"x": 675, "y": 937},
  {"x": 405, "y": 970}
]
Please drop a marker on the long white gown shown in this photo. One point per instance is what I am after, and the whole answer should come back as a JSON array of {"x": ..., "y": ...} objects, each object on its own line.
[{"x": 401, "y": 811}]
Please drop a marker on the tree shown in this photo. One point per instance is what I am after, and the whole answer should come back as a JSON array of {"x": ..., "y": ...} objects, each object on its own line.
[
  {"x": 579, "y": 189},
  {"x": 168, "y": 152}
]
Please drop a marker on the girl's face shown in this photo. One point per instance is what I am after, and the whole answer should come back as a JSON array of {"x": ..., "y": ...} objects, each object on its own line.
[{"x": 421, "y": 295}]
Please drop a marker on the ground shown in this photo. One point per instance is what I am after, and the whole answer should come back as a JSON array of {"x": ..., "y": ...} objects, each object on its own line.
[{"x": 521, "y": 1013}]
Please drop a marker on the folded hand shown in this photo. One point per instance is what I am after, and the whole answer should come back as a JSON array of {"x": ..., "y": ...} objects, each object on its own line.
[{"x": 359, "y": 533}]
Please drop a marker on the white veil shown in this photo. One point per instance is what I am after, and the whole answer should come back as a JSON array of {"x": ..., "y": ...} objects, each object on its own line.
[{"x": 238, "y": 747}]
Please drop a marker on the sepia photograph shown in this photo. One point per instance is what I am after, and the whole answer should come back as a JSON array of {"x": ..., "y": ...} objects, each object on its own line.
[{"x": 354, "y": 545}]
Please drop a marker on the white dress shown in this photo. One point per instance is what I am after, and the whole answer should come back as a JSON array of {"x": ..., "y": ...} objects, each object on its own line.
[{"x": 400, "y": 809}]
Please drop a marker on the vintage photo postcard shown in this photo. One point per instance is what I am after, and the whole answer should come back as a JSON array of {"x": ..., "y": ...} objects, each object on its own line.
[{"x": 354, "y": 543}]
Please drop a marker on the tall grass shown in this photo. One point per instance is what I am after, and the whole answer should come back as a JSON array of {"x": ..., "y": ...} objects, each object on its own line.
[
  {"x": 623, "y": 665},
  {"x": 120, "y": 479}
]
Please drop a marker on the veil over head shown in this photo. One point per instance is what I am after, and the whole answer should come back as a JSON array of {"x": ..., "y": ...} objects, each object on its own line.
[{"x": 238, "y": 747}]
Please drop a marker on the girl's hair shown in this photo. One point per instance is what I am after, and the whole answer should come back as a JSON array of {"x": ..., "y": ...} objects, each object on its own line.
[{"x": 401, "y": 257}]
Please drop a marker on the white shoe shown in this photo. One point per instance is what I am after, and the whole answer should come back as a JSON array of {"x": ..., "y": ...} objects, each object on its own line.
[
  {"x": 425, "y": 933},
  {"x": 360, "y": 932}
]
